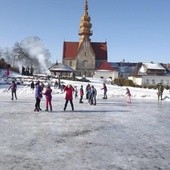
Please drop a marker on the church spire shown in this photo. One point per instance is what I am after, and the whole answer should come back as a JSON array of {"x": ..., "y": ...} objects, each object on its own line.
[{"x": 85, "y": 25}]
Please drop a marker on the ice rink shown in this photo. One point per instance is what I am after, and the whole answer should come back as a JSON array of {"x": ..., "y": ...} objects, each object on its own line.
[{"x": 113, "y": 135}]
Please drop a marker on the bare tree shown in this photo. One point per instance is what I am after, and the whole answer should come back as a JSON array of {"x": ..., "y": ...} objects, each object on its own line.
[
  {"x": 9, "y": 58},
  {"x": 1, "y": 53}
]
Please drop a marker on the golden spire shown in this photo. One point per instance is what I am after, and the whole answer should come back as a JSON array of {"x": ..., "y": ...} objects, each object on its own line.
[{"x": 85, "y": 25}]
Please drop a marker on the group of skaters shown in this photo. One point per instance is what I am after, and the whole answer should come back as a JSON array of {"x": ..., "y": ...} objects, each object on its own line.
[
  {"x": 90, "y": 93},
  {"x": 69, "y": 90},
  {"x": 40, "y": 90},
  {"x": 39, "y": 94}
]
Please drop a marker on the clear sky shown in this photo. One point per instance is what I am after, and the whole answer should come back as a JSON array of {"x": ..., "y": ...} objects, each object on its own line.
[{"x": 135, "y": 30}]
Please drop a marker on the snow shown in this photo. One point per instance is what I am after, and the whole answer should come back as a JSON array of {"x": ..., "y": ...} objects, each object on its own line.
[
  {"x": 113, "y": 135},
  {"x": 157, "y": 66}
]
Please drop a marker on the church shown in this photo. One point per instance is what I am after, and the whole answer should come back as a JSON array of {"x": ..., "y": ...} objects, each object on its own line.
[{"x": 84, "y": 56}]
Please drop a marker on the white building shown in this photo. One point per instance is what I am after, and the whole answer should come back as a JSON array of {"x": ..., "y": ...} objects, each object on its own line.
[
  {"x": 105, "y": 71},
  {"x": 148, "y": 74}
]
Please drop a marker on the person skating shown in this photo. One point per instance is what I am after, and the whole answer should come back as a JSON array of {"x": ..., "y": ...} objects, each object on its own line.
[
  {"x": 128, "y": 95},
  {"x": 92, "y": 97},
  {"x": 160, "y": 90},
  {"x": 13, "y": 88},
  {"x": 32, "y": 85},
  {"x": 88, "y": 89},
  {"x": 75, "y": 92},
  {"x": 48, "y": 97},
  {"x": 69, "y": 96},
  {"x": 105, "y": 91},
  {"x": 38, "y": 96},
  {"x": 81, "y": 94}
]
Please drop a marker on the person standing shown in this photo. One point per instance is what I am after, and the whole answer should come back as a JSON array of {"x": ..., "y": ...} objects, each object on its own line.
[
  {"x": 32, "y": 85},
  {"x": 93, "y": 94},
  {"x": 128, "y": 95},
  {"x": 75, "y": 92},
  {"x": 81, "y": 94},
  {"x": 69, "y": 96},
  {"x": 38, "y": 96},
  {"x": 160, "y": 90},
  {"x": 48, "y": 97},
  {"x": 105, "y": 91},
  {"x": 88, "y": 89},
  {"x": 13, "y": 88}
]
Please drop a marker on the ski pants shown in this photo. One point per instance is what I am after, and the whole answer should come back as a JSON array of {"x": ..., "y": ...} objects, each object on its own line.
[{"x": 71, "y": 102}]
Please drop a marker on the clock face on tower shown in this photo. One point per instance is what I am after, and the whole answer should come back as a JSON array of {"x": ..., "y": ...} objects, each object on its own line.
[{"x": 84, "y": 63}]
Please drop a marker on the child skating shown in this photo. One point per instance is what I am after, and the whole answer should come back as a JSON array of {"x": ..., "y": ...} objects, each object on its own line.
[
  {"x": 48, "y": 97},
  {"x": 128, "y": 95}
]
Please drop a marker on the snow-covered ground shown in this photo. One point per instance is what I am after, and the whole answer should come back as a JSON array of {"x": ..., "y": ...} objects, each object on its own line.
[{"x": 113, "y": 135}]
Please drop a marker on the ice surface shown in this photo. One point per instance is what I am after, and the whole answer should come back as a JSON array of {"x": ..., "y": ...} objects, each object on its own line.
[{"x": 113, "y": 135}]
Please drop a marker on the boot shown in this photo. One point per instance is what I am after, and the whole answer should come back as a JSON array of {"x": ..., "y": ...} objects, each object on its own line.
[
  {"x": 72, "y": 108},
  {"x": 51, "y": 108},
  {"x": 46, "y": 109},
  {"x": 36, "y": 110}
]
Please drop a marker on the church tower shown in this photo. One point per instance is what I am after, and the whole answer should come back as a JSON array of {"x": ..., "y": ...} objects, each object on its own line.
[
  {"x": 84, "y": 56},
  {"x": 85, "y": 26}
]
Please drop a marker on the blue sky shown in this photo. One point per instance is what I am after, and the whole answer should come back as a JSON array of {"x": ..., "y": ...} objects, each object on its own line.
[{"x": 135, "y": 30}]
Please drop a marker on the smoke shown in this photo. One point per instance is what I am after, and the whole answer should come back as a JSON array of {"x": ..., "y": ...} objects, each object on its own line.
[{"x": 36, "y": 49}]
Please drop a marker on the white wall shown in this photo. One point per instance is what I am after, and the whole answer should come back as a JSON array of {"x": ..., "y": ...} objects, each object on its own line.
[
  {"x": 136, "y": 80},
  {"x": 106, "y": 74},
  {"x": 151, "y": 80}
]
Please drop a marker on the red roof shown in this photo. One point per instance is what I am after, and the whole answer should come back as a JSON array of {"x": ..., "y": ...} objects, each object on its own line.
[
  {"x": 70, "y": 50},
  {"x": 100, "y": 50},
  {"x": 106, "y": 66}
]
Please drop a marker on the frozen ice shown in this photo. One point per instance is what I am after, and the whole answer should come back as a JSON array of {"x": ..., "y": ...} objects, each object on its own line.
[{"x": 113, "y": 135}]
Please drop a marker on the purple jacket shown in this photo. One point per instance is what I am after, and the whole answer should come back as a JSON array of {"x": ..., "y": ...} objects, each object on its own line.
[
  {"x": 13, "y": 87},
  {"x": 38, "y": 91}
]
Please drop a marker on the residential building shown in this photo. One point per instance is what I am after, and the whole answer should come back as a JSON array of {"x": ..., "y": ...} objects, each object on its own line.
[{"x": 150, "y": 74}]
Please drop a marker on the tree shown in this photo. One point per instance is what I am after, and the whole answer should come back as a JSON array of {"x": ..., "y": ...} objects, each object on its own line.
[
  {"x": 9, "y": 58},
  {"x": 31, "y": 52},
  {"x": 1, "y": 53}
]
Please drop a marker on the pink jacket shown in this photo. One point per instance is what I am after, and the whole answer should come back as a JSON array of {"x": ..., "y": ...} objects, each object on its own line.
[{"x": 48, "y": 92}]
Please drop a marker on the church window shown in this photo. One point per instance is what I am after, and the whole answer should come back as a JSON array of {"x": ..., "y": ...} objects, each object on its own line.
[{"x": 70, "y": 63}]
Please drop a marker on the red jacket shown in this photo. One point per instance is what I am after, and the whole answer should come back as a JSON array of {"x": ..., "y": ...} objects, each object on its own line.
[
  {"x": 69, "y": 93},
  {"x": 81, "y": 91}
]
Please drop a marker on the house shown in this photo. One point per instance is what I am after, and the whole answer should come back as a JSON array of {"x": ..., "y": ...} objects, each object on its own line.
[
  {"x": 106, "y": 71},
  {"x": 124, "y": 68},
  {"x": 150, "y": 74}
]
